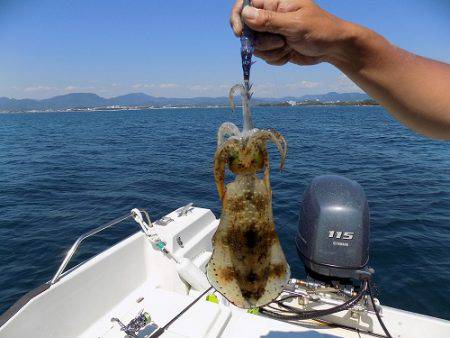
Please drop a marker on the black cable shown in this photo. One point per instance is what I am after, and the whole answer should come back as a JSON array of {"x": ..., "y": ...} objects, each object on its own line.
[
  {"x": 303, "y": 315},
  {"x": 277, "y": 309},
  {"x": 378, "y": 314},
  {"x": 276, "y": 315}
]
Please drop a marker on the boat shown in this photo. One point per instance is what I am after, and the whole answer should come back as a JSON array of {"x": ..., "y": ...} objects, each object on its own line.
[{"x": 136, "y": 288}]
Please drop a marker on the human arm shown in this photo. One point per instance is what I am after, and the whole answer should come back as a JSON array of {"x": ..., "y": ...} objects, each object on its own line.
[{"x": 414, "y": 89}]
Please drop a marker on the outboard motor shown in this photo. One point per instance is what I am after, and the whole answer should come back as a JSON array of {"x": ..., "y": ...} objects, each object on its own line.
[
  {"x": 333, "y": 242},
  {"x": 333, "y": 231}
]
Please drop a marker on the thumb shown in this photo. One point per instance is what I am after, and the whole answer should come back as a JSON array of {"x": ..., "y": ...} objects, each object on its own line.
[{"x": 262, "y": 20}]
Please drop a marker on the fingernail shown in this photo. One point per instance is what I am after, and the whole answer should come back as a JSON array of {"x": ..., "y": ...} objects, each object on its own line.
[{"x": 250, "y": 12}]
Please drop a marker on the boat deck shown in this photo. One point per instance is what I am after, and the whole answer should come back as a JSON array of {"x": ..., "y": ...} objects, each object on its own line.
[{"x": 204, "y": 319}]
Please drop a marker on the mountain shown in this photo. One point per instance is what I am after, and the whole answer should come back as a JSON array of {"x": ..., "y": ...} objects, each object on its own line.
[
  {"x": 7, "y": 104},
  {"x": 89, "y": 100},
  {"x": 133, "y": 99},
  {"x": 75, "y": 100}
]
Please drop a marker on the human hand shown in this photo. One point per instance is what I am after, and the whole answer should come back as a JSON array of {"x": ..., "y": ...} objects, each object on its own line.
[{"x": 296, "y": 31}]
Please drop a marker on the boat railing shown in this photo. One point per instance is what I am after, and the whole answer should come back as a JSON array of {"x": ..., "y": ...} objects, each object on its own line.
[
  {"x": 80, "y": 239},
  {"x": 183, "y": 211}
]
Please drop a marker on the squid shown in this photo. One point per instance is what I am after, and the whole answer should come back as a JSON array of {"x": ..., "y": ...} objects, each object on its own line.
[{"x": 247, "y": 266}]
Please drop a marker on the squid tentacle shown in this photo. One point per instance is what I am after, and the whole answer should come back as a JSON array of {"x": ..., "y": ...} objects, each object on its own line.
[
  {"x": 245, "y": 95},
  {"x": 220, "y": 161},
  {"x": 276, "y": 138},
  {"x": 227, "y": 128},
  {"x": 283, "y": 142}
]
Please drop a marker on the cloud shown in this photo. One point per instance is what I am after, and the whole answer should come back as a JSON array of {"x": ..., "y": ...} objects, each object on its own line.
[
  {"x": 39, "y": 88},
  {"x": 182, "y": 89},
  {"x": 45, "y": 91},
  {"x": 296, "y": 88},
  {"x": 168, "y": 85},
  {"x": 270, "y": 89},
  {"x": 84, "y": 89},
  {"x": 154, "y": 85},
  {"x": 344, "y": 84},
  {"x": 301, "y": 87},
  {"x": 200, "y": 88},
  {"x": 263, "y": 89},
  {"x": 310, "y": 84}
]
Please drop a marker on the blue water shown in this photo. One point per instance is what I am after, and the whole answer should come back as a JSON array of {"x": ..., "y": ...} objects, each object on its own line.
[{"x": 64, "y": 173}]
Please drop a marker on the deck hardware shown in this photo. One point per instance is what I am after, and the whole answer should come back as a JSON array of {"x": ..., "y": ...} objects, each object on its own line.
[
  {"x": 302, "y": 301},
  {"x": 135, "y": 325},
  {"x": 355, "y": 314},
  {"x": 183, "y": 211},
  {"x": 145, "y": 213},
  {"x": 187, "y": 270},
  {"x": 180, "y": 242},
  {"x": 164, "y": 221}
]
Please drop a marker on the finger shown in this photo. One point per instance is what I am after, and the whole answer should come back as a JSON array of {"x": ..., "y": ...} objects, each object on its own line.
[
  {"x": 268, "y": 41},
  {"x": 280, "y": 6},
  {"x": 273, "y": 55},
  {"x": 235, "y": 18},
  {"x": 267, "y": 21},
  {"x": 258, "y": 3},
  {"x": 270, "y": 5}
]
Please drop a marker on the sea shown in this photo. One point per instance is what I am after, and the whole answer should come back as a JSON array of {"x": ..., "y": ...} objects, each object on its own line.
[{"x": 62, "y": 174}]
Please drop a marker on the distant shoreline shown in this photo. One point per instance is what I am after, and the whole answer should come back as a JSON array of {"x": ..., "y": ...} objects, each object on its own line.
[
  {"x": 366, "y": 103},
  {"x": 320, "y": 103},
  {"x": 138, "y": 101}
]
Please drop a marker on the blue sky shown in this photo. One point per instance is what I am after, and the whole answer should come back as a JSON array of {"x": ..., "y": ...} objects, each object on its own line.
[{"x": 178, "y": 48}]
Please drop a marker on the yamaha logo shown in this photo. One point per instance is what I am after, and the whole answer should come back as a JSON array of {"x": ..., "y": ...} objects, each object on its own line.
[{"x": 341, "y": 235}]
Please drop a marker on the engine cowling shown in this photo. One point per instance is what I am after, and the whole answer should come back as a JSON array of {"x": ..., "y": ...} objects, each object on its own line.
[{"x": 334, "y": 227}]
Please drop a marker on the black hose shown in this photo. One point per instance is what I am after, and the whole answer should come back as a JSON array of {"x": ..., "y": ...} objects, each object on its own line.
[
  {"x": 276, "y": 315},
  {"x": 303, "y": 315},
  {"x": 386, "y": 332}
]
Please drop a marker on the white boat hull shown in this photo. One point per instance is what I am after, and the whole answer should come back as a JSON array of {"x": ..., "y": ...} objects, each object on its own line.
[{"x": 132, "y": 276}]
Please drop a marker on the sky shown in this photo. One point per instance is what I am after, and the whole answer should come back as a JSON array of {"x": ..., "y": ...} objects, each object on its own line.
[{"x": 179, "y": 48}]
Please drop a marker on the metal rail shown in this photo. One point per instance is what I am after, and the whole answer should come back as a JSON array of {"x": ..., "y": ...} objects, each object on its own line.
[
  {"x": 80, "y": 239},
  {"x": 182, "y": 212}
]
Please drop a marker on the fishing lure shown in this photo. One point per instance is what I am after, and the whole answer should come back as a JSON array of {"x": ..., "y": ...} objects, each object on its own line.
[
  {"x": 247, "y": 38},
  {"x": 248, "y": 265}
]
